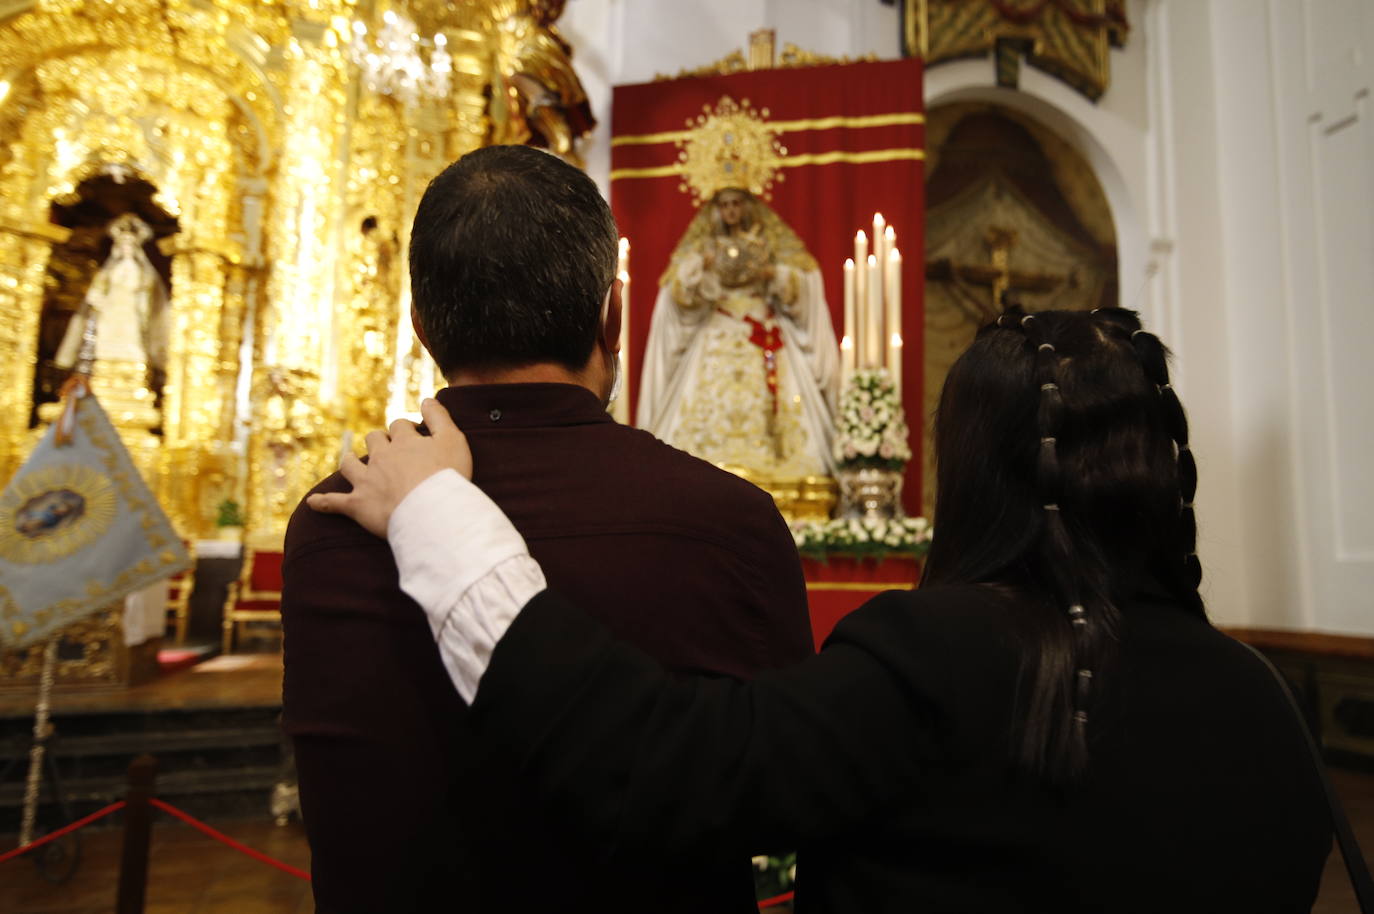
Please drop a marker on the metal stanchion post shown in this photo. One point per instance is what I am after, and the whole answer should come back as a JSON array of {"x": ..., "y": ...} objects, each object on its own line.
[{"x": 133, "y": 863}]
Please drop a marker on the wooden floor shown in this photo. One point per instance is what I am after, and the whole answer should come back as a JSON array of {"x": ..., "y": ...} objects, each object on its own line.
[
  {"x": 1357, "y": 795},
  {"x": 191, "y": 874},
  {"x": 188, "y": 873}
]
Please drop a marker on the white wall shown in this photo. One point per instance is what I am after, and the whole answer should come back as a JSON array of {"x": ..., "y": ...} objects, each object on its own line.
[
  {"x": 1296, "y": 147},
  {"x": 1236, "y": 149}
]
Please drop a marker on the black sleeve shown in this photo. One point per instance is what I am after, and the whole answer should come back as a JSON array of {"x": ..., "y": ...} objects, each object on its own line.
[{"x": 643, "y": 760}]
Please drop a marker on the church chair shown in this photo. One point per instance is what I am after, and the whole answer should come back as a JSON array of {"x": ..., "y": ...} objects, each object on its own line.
[
  {"x": 179, "y": 588},
  {"x": 256, "y": 595}
]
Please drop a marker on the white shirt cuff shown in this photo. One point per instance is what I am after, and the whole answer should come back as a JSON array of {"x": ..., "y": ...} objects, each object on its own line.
[{"x": 463, "y": 561}]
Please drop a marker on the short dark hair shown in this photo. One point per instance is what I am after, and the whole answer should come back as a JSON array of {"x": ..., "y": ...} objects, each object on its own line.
[{"x": 511, "y": 255}]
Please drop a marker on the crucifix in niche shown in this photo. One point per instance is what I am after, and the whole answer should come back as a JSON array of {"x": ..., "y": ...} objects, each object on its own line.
[{"x": 980, "y": 289}]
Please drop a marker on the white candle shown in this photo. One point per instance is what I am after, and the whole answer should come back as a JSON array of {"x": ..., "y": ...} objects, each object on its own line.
[
  {"x": 345, "y": 446},
  {"x": 620, "y": 409},
  {"x": 860, "y": 295},
  {"x": 884, "y": 256},
  {"x": 873, "y": 329},
  {"x": 847, "y": 341},
  {"x": 879, "y": 232},
  {"x": 894, "y": 318}
]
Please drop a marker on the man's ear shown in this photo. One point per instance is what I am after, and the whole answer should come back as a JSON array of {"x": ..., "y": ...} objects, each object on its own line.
[
  {"x": 610, "y": 324},
  {"x": 418, "y": 328}
]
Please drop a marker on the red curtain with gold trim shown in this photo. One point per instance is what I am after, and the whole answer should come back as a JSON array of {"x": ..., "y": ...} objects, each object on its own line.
[{"x": 854, "y": 139}]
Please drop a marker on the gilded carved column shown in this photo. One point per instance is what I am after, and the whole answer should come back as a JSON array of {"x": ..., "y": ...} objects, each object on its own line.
[
  {"x": 191, "y": 403},
  {"x": 292, "y": 438},
  {"x": 372, "y": 262},
  {"x": 24, "y": 253},
  {"x": 191, "y": 398},
  {"x": 240, "y": 287}
]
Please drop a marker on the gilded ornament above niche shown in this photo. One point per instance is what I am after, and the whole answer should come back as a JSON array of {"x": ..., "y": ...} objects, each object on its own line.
[
  {"x": 762, "y": 55},
  {"x": 1070, "y": 39}
]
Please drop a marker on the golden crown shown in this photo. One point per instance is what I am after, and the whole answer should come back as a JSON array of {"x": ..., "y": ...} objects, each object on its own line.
[{"x": 728, "y": 146}]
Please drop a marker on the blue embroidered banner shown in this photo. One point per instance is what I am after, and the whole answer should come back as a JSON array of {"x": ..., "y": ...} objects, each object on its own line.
[{"x": 79, "y": 530}]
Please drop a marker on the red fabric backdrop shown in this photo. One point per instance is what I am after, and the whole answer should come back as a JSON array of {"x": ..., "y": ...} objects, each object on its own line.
[{"x": 825, "y": 202}]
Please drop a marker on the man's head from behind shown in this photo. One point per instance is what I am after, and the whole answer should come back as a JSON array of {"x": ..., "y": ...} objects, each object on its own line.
[{"x": 511, "y": 256}]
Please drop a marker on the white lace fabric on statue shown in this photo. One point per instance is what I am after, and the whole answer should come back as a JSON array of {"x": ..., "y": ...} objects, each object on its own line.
[
  {"x": 128, "y": 302},
  {"x": 741, "y": 369}
]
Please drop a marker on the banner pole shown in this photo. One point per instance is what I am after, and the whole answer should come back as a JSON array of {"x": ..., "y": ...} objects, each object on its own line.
[{"x": 41, "y": 731}]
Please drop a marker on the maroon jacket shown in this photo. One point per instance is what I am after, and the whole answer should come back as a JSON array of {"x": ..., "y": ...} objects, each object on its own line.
[{"x": 404, "y": 810}]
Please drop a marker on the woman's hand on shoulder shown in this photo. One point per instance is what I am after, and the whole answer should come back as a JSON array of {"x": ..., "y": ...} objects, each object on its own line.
[{"x": 399, "y": 459}]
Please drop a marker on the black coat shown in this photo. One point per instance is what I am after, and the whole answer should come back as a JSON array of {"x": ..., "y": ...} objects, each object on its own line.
[{"x": 886, "y": 760}]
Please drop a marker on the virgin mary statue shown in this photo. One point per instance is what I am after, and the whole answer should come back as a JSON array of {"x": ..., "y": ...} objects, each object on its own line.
[
  {"x": 741, "y": 366},
  {"x": 126, "y": 304}
]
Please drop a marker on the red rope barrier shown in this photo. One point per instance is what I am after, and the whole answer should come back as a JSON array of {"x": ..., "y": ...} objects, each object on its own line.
[
  {"x": 221, "y": 837},
  {"x": 775, "y": 900},
  {"x": 79, "y": 823}
]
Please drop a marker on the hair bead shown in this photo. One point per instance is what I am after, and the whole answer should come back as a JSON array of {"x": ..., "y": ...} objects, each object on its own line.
[
  {"x": 1044, "y": 346},
  {"x": 1049, "y": 385},
  {"x": 1082, "y": 682},
  {"x": 1051, "y": 507}
]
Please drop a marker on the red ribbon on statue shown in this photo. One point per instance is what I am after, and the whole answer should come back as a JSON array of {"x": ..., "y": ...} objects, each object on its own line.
[{"x": 767, "y": 337}]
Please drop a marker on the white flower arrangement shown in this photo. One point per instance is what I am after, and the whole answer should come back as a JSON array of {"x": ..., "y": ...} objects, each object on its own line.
[
  {"x": 774, "y": 876},
  {"x": 869, "y": 537},
  {"x": 871, "y": 429}
]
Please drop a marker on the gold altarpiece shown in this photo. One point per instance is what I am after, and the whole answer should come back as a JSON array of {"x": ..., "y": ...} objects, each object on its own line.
[{"x": 291, "y": 186}]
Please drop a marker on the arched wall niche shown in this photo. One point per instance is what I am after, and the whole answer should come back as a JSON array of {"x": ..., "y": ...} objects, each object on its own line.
[
  {"x": 1013, "y": 212},
  {"x": 1113, "y": 147},
  {"x": 1114, "y": 144}
]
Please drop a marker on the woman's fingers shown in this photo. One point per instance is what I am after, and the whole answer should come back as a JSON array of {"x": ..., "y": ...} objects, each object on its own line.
[
  {"x": 352, "y": 468},
  {"x": 376, "y": 441},
  {"x": 329, "y": 502},
  {"x": 448, "y": 436},
  {"x": 397, "y": 463}
]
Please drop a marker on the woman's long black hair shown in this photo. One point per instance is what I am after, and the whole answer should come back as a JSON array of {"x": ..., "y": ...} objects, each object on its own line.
[{"x": 1063, "y": 473}]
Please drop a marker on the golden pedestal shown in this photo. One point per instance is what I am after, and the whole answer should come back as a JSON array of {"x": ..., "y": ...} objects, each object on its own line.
[
  {"x": 797, "y": 497},
  {"x": 122, "y": 389}
]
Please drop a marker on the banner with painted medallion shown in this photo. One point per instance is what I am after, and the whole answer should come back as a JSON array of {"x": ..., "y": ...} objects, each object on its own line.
[{"x": 79, "y": 529}]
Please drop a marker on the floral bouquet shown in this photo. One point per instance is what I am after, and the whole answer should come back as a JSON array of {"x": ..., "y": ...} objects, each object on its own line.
[
  {"x": 871, "y": 430},
  {"x": 774, "y": 876},
  {"x": 868, "y": 537}
]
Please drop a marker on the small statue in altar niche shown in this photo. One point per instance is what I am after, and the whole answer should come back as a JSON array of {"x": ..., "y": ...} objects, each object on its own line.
[
  {"x": 742, "y": 367},
  {"x": 545, "y": 104},
  {"x": 126, "y": 305}
]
